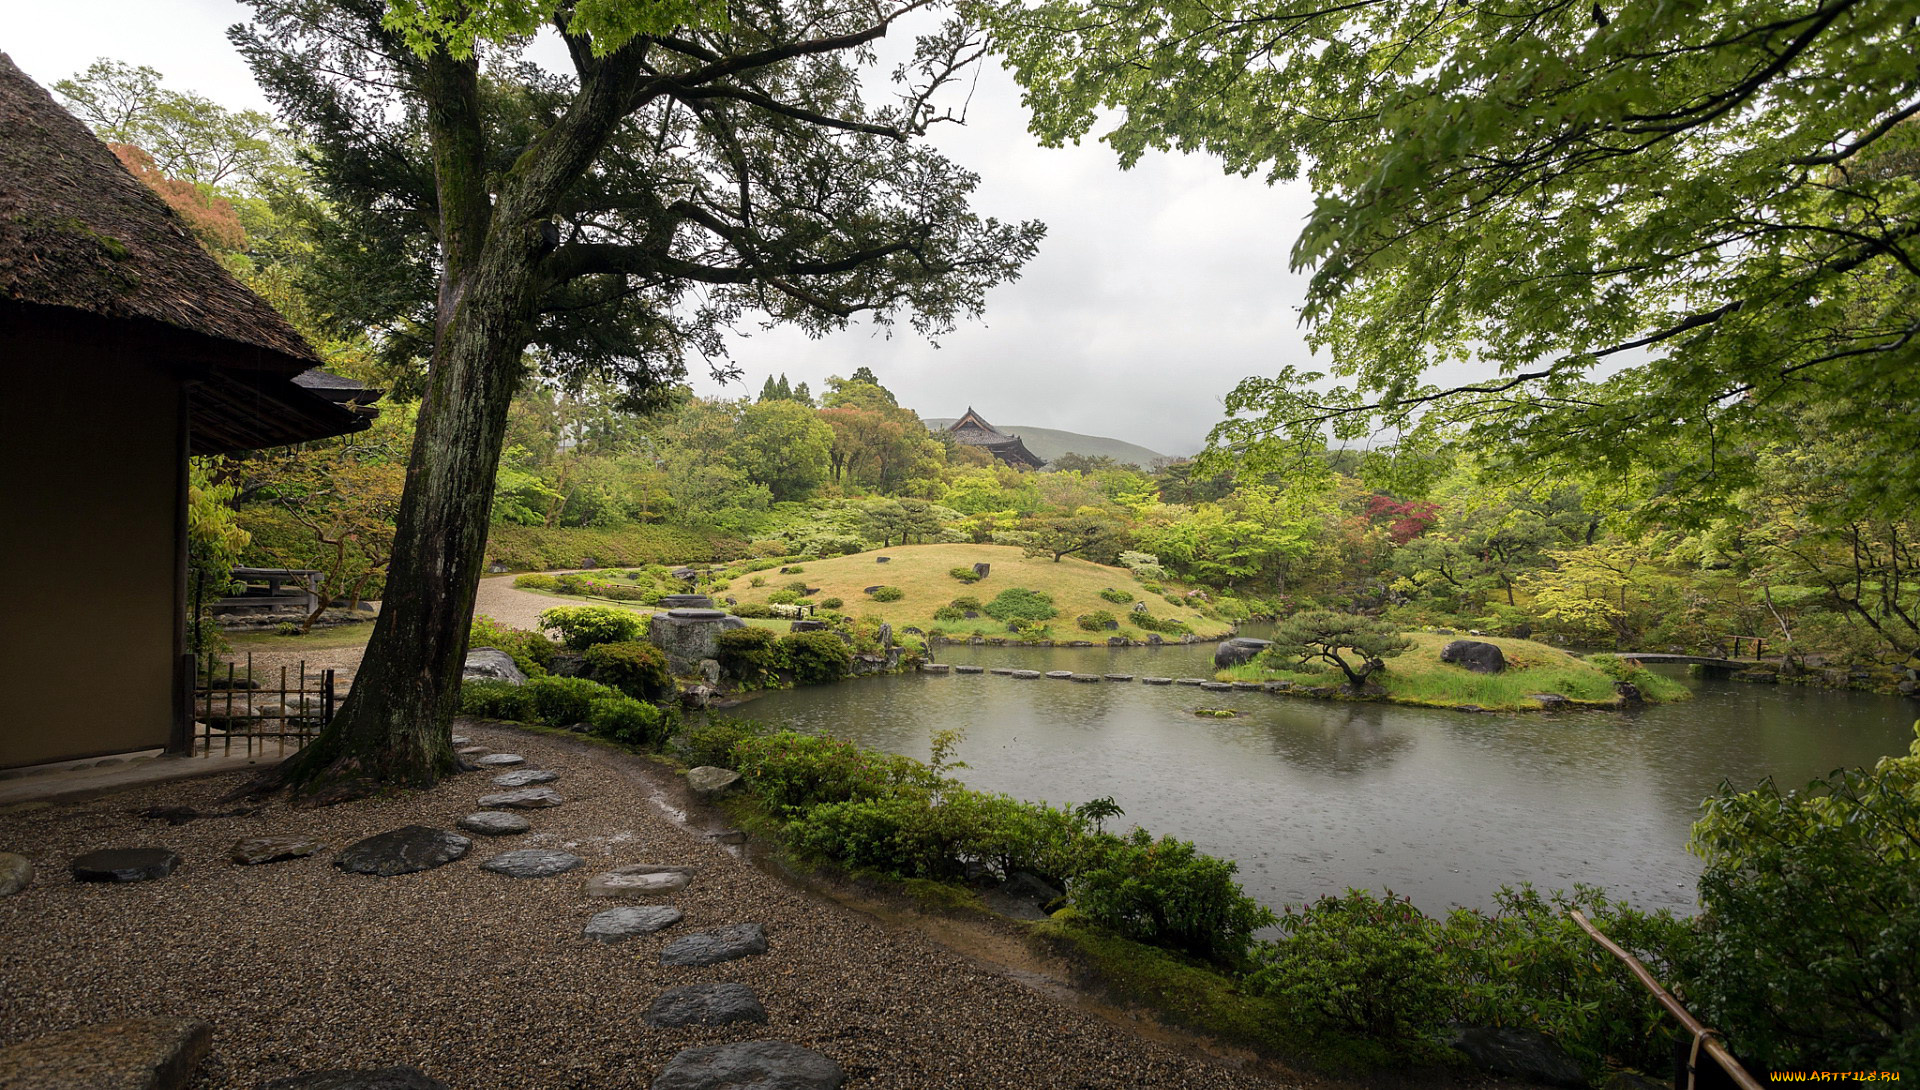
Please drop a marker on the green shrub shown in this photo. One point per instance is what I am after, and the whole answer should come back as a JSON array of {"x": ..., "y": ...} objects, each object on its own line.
[
  {"x": 1170, "y": 626},
  {"x": 965, "y": 602},
  {"x": 635, "y": 667},
  {"x": 750, "y": 656},
  {"x": 628, "y": 721},
  {"x": 798, "y": 586},
  {"x": 1165, "y": 893},
  {"x": 713, "y": 742},
  {"x": 495, "y": 700},
  {"x": 784, "y": 598},
  {"x": 581, "y": 627},
  {"x": 816, "y": 658},
  {"x": 888, "y": 594},
  {"x": 758, "y": 610},
  {"x": 537, "y": 548},
  {"x": 949, "y": 613},
  {"x": 757, "y": 581},
  {"x": 793, "y": 772},
  {"x": 831, "y": 603},
  {"x": 1117, "y": 597},
  {"x": 1360, "y": 965},
  {"x": 532, "y": 652},
  {"x": 1020, "y": 604},
  {"x": 563, "y": 701},
  {"x": 535, "y": 581},
  {"x": 965, "y": 575},
  {"x": 1033, "y": 630},
  {"x": 1097, "y": 621}
]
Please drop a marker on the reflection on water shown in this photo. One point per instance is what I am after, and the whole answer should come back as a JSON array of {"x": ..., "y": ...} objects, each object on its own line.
[{"x": 1312, "y": 797}]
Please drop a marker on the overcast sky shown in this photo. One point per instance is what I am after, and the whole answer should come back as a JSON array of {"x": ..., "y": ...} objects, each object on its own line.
[{"x": 1155, "y": 290}]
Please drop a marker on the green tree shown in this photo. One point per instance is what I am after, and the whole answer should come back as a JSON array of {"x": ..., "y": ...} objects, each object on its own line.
[
  {"x": 695, "y": 164},
  {"x": 1321, "y": 635},
  {"x": 783, "y": 446},
  {"x": 186, "y": 135},
  {"x": 1085, "y": 533},
  {"x": 1671, "y": 228}
]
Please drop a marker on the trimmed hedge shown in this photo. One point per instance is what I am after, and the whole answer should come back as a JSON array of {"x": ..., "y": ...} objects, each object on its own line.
[
  {"x": 537, "y": 548},
  {"x": 635, "y": 667}
]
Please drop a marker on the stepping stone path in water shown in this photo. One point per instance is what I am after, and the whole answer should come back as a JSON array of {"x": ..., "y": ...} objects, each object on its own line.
[
  {"x": 1156, "y": 681},
  {"x": 16, "y": 873},
  {"x": 739, "y": 940},
  {"x": 1215, "y": 686},
  {"x": 125, "y": 865},
  {"x": 525, "y": 777},
  {"x": 1086, "y": 678},
  {"x": 532, "y": 863},
  {"x": 620, "y": 924},
  {"x": 1189, "y": 681},
  {"x": 402, "y": 851},
  {"x": 1119, "y": 677},
  {"x": 1001, "y": 670},
  {"x": 711, "y": 1004},
  {"x": 383, "y": 1078},
  {"x": 1060, "y": 675},
  {"x": 1025, "y": 675},
  {"x": 639, "y": 880},
  {"x": 969, "y": 669},
  {"x": 527, "y": 798},
  {"x": 501, "y": 760},
  {"x": 255, "y": 850},
  {"x": 750, "y": 1063},
  {"x": 494, "y": 823}
]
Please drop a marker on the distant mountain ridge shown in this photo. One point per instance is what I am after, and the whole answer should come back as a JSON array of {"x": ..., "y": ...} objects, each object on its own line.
[{"x": 1051, "y": 443}]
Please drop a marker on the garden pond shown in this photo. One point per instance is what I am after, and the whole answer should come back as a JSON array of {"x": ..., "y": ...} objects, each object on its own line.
[{"x": 1311, "y": 797}]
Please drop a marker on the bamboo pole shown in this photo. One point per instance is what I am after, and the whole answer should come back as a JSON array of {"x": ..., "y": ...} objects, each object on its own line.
[{"x": 1704, "y": 1039}]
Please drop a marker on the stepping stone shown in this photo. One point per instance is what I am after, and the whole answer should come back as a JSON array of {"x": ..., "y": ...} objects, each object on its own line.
[
  {"x": 1025, "y": 675},
  {"x": 969, "y": 669},
  {"x": 934, "y": 667},
  {"x": 125, "y": 865},
  {"x": 494, "y": 823},
  {"x": 472, "y": 751},
  {"x": 711, "y": 1004},
  {"x": 16, "y": 873},
  {"x": 1215, "y": 686},
  {"x": 1085, "y": 678},
  {"x": 532, "y": 863},
  {"x": 639, "y": 880},
  {"x": 1060, "y": 675},
  {"x": 525, "y": 777},
  {"x": 461, "y": 740},
  {"x": 382, "y": 1078},
  {"x": 527, "y": 798},
  {"x": 1246, "y": 686},
  {"x": 770, "y": 1064},
  {"x": 708, "y": 780},
  {"x": 1189, "y": 681},
  {"x": 402, "y": 851},
  {"x": 1156, "y": 681},
  {"x": 1119, "y": 677},
  {"x": 620, "y": 924},
  {"x": 739, "y": 940},
  {"x": 150, "y": 1053},
  {"x": 1003, "y": 670},
  {"x": 255, "y": 850},
  {"x": 501, "y": 760}
]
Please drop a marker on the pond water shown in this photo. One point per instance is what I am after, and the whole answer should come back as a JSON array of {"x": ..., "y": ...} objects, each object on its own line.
[{"x": 1312, "y": 797}]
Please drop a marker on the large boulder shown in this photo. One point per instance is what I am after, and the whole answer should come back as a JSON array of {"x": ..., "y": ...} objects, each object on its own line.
[
  {"x": 734, "y": 941},
  {"x": 124, "y": 865},
  {"x": 1481, "y": 658},
  {"x": 16, "y": 873},
  {"x": 402, "y": 851},
  {"x": 491, "y": 664},
  {"x": 137, "y": 1053},
  {"x": 1239, "y": 649},
  {"x": 773, "y": 1065},
  {"x": 1517, "y": 1053},
  {"x": 689, "y": 635},
  {"x": 712, "y": 1003}
]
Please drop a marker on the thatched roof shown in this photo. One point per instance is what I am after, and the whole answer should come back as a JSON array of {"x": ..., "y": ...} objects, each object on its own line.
[{"x": 88, "y": 249}]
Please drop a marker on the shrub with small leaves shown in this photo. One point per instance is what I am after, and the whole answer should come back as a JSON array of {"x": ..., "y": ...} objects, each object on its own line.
[
  {"x": 581, "y": 627},
  {"x": 1020, "y": 604},
  {"x": 536, "y": 581},
  {"x": 563, "y": 701},
  {"x": 532, "y": 652},
  {"x": 1117, "y": 597},
  {"x": 831, "y": 603},
  {"x": 966, "y": 602},
  {"x": 750, "y": 656},
  {"x": 784, "y": 597},
  {"x": 713, "y": 742},
  {"x": 495, "y": 700},
  {"x": 628, "y": 721},
  {"x": 965, "y": 575},
  {"x": 888, "y": 594},
  {"x": 757, "y": 610},
  {"x": 815, "y": 658},
  {"x": 635, "y": 667},
  {"x": 1165, "y": 893},
  {"x": 949, "y": 613},
  {"x": 1097, "y": 621}
]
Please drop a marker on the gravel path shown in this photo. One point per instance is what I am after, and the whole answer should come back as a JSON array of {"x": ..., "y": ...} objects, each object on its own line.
[{"x": 486, "y": 981}]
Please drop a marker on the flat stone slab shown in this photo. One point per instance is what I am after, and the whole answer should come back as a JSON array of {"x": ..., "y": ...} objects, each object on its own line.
[
  {"x": 501, "y": 760},
  {"x": 460, "y": 740},
  {"x": 738, "y": 940},
  {"x": 969, "y": 669},
  {"x": 1003, "y": 670},
  {"x": 710, "y": 1004},
  {"x": 472, "y": 751},
  {"x": 143, "y": 1053},
  {"x": 532, "y": 863},
  {"x": 1119, "y": 677},
  {"x": 1246, "y": 686},
  {"x": 620, "y": 924},
  {"x": 1156, "y": 681},
  {"x": 525, "y": 777},
  {"x": 711, "y": 779},
  {"x": 640, "y": 880},
  {"x": 381, "y": 1078},
  {"x": 402, "y": 851},
  {"x": 527, "y": 798},
  {"x": 1216, "y": 686},
  {"x": 750, "y": 1065},
  {"x": 934, "y": 667},
  {"x": 16, "y": 873},
  {"x": 1086, "y": 678},
  {"x": 1026, "y": 675},
  {"x": 1189, "y": 681},
  {"x": 255, "y": 850},
  {"x": 125, "y": 865},
  {"x": 494, "y": 823}
]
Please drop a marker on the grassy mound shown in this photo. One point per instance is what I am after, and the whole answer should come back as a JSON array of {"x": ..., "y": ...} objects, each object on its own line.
[
  {"x": 923, "y": 575},
  {"x": 1418, "y": 677}
]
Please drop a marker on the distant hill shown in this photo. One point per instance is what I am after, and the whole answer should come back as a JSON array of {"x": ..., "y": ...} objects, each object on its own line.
[{"x": 1051, "y": 443}]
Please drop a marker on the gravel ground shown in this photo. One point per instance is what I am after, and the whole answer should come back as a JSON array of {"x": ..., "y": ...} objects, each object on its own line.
[{"x": 486, "y": 981}]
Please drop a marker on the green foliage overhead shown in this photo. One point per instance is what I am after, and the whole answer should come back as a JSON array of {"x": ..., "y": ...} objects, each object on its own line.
[{"x": 1675, "y": 229}]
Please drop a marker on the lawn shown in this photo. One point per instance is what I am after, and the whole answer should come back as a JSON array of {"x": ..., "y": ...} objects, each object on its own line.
[
  {"x": 922, "y": 574},
  {"x": 1417, "y": 676}
]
